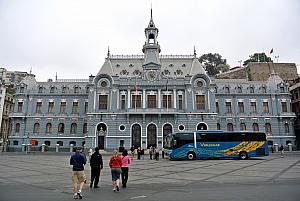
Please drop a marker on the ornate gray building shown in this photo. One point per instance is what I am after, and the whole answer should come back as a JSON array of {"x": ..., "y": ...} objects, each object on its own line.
[{"x": 135, "y": 100}]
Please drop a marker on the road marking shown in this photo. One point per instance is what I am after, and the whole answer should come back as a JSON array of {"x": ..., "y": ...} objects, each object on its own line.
[{"x": 141, "y": 196}]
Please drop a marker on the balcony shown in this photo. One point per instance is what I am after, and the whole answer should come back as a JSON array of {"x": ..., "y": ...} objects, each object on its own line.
[{"x": 152, "y": 110}]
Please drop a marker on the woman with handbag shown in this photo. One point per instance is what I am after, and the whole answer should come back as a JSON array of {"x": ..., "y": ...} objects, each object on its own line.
[{"x": 115, "y": 163}]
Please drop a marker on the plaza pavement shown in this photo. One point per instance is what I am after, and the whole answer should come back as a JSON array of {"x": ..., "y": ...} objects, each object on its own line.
[{"x": 44, "y": 176}]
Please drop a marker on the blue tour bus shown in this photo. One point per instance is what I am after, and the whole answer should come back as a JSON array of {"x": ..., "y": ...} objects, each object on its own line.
[{"x": 215, "y": 144}]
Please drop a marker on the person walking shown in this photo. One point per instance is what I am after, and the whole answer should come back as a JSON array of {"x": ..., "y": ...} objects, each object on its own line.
[
  {"x": 96, "y": 164},
  {"x": 125, "y": 168},
  {"x": 142, "y": 153},
  {"x": 281, "y": 149},
  {"x": 157, "y": 153},
  {"x": 78, "y": 177},
  {"x": 115, "y": 163},
  {"x": 150, "y": 152},
  {"x": 139, "y": 153}
]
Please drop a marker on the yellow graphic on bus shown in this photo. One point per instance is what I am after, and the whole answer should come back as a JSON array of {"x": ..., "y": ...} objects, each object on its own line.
[{"x": 243, "y": 146}]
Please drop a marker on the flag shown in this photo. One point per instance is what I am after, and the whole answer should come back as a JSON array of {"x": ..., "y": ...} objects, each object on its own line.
[
  {"x": 134, "y": 87},
  {"x": 271, "y": 51}
]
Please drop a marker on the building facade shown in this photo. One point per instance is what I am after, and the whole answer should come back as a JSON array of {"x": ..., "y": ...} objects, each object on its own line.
[{"x": 135, "y": 100}]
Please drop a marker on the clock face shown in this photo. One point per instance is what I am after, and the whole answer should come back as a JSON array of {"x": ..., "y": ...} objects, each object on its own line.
[{"x": 151, "y": 75}]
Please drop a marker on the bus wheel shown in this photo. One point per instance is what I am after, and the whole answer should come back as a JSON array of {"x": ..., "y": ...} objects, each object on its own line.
[
  {"x": 191, "y": 156},
  {"x": 243, "y": 155}
]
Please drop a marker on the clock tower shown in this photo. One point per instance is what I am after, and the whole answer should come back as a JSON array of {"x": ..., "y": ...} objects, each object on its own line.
[{"x": 151, "y": 48}]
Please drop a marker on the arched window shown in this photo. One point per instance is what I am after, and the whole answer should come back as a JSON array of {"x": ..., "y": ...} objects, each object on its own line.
[
  {"x": 268, "y": 128},
  {"x": 61, "y": 128},
  {"x": 48, "y": 128},
  {"x": 61, "y": 143},
  {"x": 73, "y": 128},
  {"x": 229, "y": 127},
  {"x": 218, "y": 126},
  {"x": 286, "y": 128},
  {"x": 85, "y": 128},
  {"x": 255, "y": 127},
  {"x": 243, "y": 127},
  {"x": 36, "y": 128},
  {"x": 17, "y": 130},
  {"x": 73, "y": 143},
  {"x": 48, "y": 143}
]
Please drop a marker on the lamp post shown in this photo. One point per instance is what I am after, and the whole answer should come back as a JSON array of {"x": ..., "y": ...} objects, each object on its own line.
[
  {"x": 240, "y": 62},
  {"x": 276, "y": 57}
]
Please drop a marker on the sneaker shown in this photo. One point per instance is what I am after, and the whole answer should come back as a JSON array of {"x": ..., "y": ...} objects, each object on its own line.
[
  {"x": 96, "y": 187},
  {"x": 79, "y": 195},
  {"x": 118, "y": 188},
  {"x": 114, "y": 190},
  {"x": 75, "y": 196},
  {"x": 91, "y": 185}
]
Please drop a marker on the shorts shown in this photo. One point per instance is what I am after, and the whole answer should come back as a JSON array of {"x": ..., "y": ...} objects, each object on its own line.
[
  {"x": 78, "y": 177},
  {"x": 115, "y": 173}
]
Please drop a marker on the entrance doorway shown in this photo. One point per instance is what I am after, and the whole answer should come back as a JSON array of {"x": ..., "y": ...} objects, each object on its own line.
[
  {"x": 151, "y": 135},
  {"x": 101, "y": 133},
  {"x": 136, "y": 136}
]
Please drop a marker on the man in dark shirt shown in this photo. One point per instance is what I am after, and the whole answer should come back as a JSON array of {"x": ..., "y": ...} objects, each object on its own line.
[
  {"x": 78, "y": 162},
  {"x": 96, "y": 166}
]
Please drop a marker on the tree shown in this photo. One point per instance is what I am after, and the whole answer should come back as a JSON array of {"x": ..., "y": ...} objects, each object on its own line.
[
  {"x": 211, "y": 62},
  {"x": 222, "y": 68},
  {"x": 258, "y": 57}
]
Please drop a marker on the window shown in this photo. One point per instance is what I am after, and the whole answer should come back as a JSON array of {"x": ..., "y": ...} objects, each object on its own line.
[
  {"x": 255, "y": 127},
  {"x": 64, "y": 89},
  {"x": 180, "y": 102},
  {"x": 17, "y": 129},
  {"x": 242, "y": 126},
  {"x": 76, "y": 89},
  {"x": 239, "y": 89},
  {"x": 283, "y": 107},
  {"x": 286, "y": 128},
  {"x": 50, "y": 107},
  {"x": 48, "y": 128},
  {"x": 251, "y": 90},
  {"x": 73, "y": 128},
  {"x": 36, "y": 128},
  {"x": 60, "y": 143},
  {"x": 136, "y": 101},
  {"x": 218, "y": 126},
  {"x": 85, "y": 128},
  {"x": 75, "y": 108},
  {"x": 253, "y": 107},
  {"x": 268, "y": 128},
  {"x": 265, "y": 107},
  {"x": 48, "y": 143},
  {"x": 61, "y": 128},
  {"x": 264, "y": 89},
  {"x": 167, "y": 101},
  {"x": 21, "y": 89},
  {"x": 200, "y": 102},
  {"x": 103, "y": 102},
  {"x": 181, "y": 127},
  {"x": 217, "y": 107},
  {"x": 229, "y": 127},
  {"x": 281, "y": 89},
  {"x": 38, "y": 107},
  {"x": 241, "y": 107},
  {"x": 123, "y": 102},
  {"x": 86, "y": 107},
  {"x": 40, "y": 89},
  {"x": 15, "y": 142},
  {"x": 20, "y": 107},
  {"x": 62, "y": 107},
  {"x": 228, "y": 107},
  {"x": 151, "y": 101},
  {"x": 52, "y": 90},
  {"x": 227, "y": 90}
]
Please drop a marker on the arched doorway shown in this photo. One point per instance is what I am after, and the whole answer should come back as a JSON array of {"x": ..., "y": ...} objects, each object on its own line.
[
  {"x": 101, "y": 132},
  {"x": 151, "y": 135},
  {"x": 202, "y": 126},
  {"x": 167, "y": 129},
  {"x": 136, "y": 136}
]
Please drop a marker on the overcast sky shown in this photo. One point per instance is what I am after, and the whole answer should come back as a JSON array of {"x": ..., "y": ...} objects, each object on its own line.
[{"x": 71, "y": 37}]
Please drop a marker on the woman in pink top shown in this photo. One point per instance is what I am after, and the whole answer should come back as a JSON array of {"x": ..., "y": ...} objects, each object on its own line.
[{"x": 125, "y": 163}]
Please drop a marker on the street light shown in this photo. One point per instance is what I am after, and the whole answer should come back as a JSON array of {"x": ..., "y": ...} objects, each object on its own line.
[
  {"x": 240, "y": 61},
  {"x": 276, "y": 57}
]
